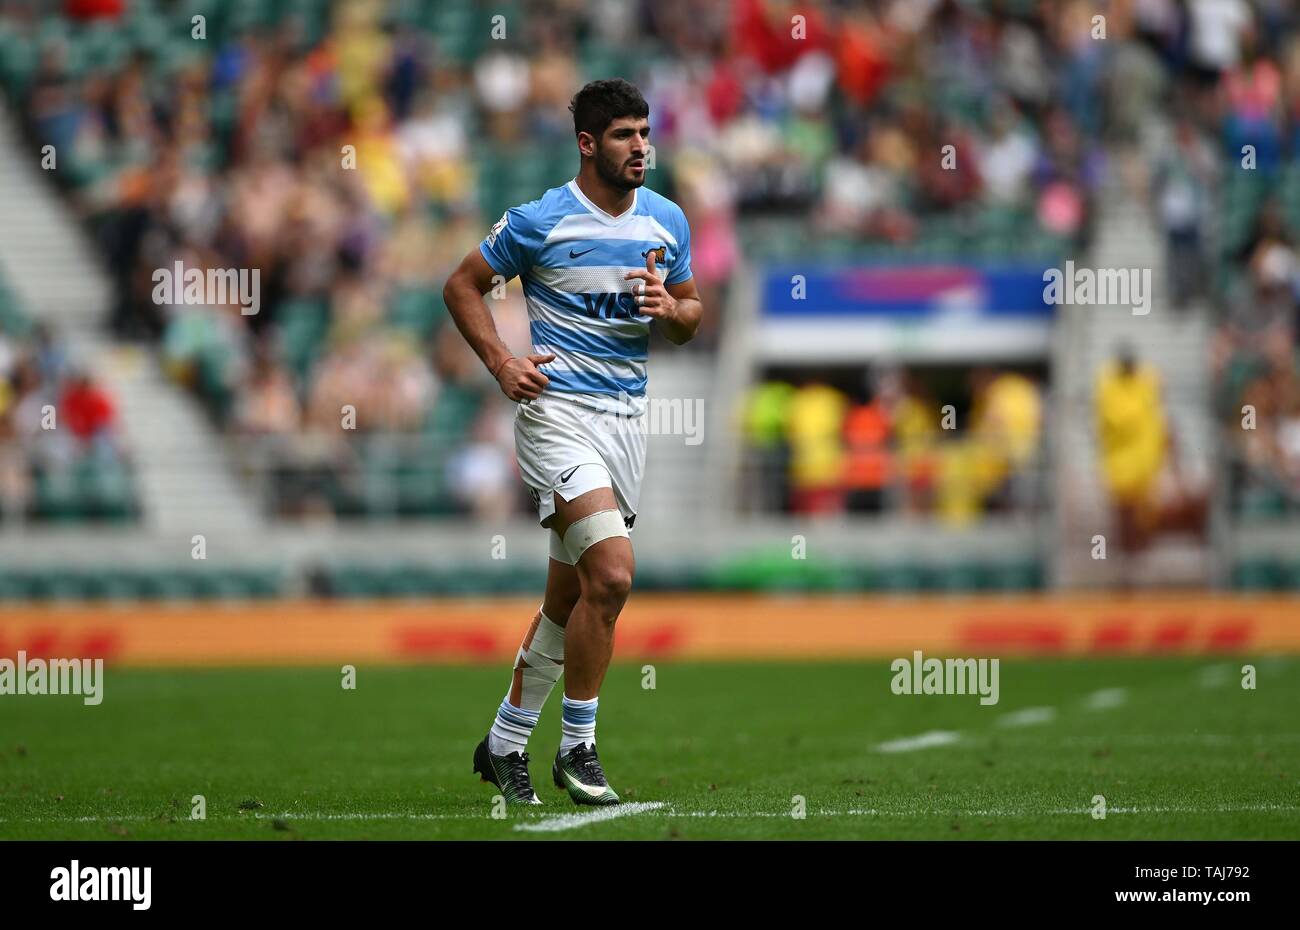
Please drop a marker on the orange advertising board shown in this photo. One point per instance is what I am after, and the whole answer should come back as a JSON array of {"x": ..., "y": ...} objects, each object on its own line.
[{"x": 654, "y": 626}]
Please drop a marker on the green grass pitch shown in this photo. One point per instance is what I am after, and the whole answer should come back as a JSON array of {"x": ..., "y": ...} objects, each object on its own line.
[{"x": 1176, "y": 746}]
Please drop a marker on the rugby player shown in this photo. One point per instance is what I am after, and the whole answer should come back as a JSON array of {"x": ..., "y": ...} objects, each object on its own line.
[{"x": 601, "y": 260}]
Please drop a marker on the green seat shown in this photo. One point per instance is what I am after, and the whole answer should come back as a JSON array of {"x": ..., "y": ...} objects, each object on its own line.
[
  {"x": 412, "y": 580},
  {"x": 13, "y": 586},
  {"x": 353, "y": 581},
  {"x": 94, "y": 583},
  {"x": 107, "y": 491},
  {"x": 164, "y": 584},
  {"x": 1288, "y": 576},
  {"x": 959, "y": 577},
  {"x": 379, "y": 488},
  {"x": 265, "y": 583},
  {"x": 461, "y": 580},
  {"x": 419, "y": 490},
  {"x": 1256, "y": 574},
  {"x": 117, "y": 585},
  {"x": 1016, "y": 575},
  {"x": 56, "y": 496},
  {"x": 1261, "y": 504},
  {"x": 418, "y": 310},
  {"x": 302, "y": 324},
  {"x": 902, "y": 577},
  {"x": 62, "y": 585},
  {"x": 206, "y": 582},
  {"x": 453, "y": 414}
]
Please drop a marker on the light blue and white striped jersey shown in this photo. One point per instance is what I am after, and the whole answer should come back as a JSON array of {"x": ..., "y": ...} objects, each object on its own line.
[{"x": 571, "y": 257}]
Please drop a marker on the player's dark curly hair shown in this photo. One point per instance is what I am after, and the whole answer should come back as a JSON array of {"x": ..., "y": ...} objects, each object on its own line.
[{"x": 601, "y": 102}]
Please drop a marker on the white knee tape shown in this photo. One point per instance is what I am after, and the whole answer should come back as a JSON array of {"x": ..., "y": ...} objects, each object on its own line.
[
  {"x": 541, "y": 661},
  {"x": 536, "y": 682},
  {"x": 585, "y": 533},
  {"x": 548, "y": 639}
]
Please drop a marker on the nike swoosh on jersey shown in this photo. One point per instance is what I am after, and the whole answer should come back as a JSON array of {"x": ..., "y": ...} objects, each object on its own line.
[{"x": 573, "y": 254}]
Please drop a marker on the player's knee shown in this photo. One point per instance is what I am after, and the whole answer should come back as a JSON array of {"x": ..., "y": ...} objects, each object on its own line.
[{"x": 608, "y": 586}]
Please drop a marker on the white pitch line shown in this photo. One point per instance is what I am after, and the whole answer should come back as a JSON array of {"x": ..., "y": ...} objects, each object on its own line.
[
  {"x": 381, "y": 815},
  {"x": 661, "y": 809},
  {"x": 927, "y": 740},
  {"x": 574, "y": 821},
  {"x": 146, "y": 818},
  {"x": 1217, "y": 809},
  {"x": 1029, "y": 717},
  {"x": 1106, "y": 699}
]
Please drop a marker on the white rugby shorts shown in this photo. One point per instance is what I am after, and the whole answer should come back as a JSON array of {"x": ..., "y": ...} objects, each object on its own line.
[{"x": 569, "y": 449}]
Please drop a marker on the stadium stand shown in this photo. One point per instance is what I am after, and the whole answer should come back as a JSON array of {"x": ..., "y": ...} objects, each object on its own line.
[{"x": 814, "y": 154}]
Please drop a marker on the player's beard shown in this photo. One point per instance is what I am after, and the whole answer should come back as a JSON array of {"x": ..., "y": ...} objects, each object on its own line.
[{"x": 611, "y": 172}]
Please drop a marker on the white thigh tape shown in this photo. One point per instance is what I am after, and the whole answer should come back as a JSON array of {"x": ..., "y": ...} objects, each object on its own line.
[
  {"x": 585, "y": 533},
  {"x": 558, "y": 552}
]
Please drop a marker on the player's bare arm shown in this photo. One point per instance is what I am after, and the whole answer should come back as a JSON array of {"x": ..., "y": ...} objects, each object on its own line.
[{"x": 518, "y": 376}]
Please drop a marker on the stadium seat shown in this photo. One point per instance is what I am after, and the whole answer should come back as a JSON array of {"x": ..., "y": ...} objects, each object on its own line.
[
  {"x": 1261, "y": 504},
  {"x": 1256, "y": 574},
  {"x": 901, "y": 577},
  {"x": 958, "y": 576},
  {"x": 418, "y": 310}
]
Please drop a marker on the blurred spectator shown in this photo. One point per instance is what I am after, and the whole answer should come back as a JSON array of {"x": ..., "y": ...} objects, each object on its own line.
[
  {"x": 1133, "y": 439},
  {"x": 87, "y": 410},
  {"x": 889, "y": 452},
  {"x": 868, "y": 466},
  {"x": 482, "y": 473},
  {"x": 916, "y": 426},
  {"x": 1184, "y": 186},
  {"x": 269, "y": 407},
  {"x": 1006, "y": 429},
  {"x": 60, "y": 446},
  {"x": 767, "y": 452},
  {"x": 1260, "y": 322},
  {"x": 814, "y": 428}
]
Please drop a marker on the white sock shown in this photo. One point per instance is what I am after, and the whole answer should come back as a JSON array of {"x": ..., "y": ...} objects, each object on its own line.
[
  {"x": 578, "y": 723},
  {"x": 537, "y": 668},
  {"x": 511, "y": 729}
]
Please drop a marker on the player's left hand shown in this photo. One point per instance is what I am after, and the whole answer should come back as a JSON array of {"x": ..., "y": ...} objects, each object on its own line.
[{"x": 652, "y": 297}]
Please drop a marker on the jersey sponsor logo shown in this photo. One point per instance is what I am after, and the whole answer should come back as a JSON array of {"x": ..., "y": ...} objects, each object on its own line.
[
  {"x": 573, "y": 254},
  {"x": 496, "y": 229},
  {"x": 621, "y": 306}
]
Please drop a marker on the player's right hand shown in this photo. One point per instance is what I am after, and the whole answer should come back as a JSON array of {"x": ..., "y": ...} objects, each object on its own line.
[{"x": 519, "y": 378}]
